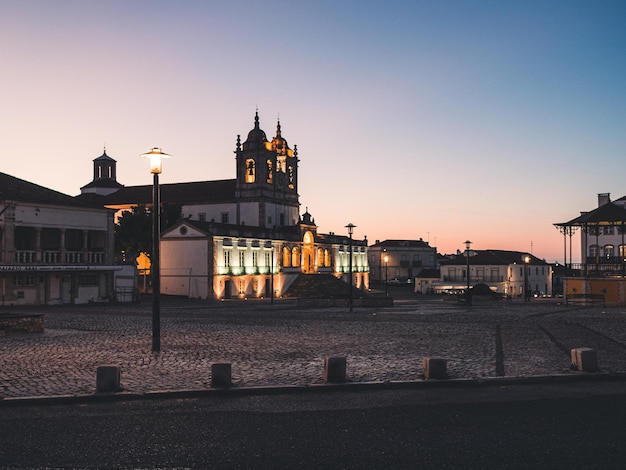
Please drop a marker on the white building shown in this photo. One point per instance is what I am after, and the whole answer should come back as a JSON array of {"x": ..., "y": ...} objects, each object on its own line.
[
  {"x": 400, "y": 260},
  {"x": 602, "y": 237},
  {"x": 505, "y": 272},
  {"x": 54, "y": 248},
  {"x": 238, "y": 237}
]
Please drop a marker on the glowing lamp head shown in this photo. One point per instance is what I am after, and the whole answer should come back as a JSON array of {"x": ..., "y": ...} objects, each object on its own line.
[
  {"x": 526, "y": 259},
  {"x": 156, "y": 156}
]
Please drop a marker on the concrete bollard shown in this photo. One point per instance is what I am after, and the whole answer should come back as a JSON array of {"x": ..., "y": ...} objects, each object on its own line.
[
  {"x": 435, "y": 368},
  {"x": 584, "y": 359},
  {"x": 221, "y": 375},
  {"x": 334, "y": 369},
  {"x": 108, "y": 379}
]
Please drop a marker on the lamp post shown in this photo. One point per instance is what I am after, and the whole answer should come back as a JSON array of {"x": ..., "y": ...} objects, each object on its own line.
[
  {"x": 272, "y": 277},
  {"x": 350, "y": 228},
  {"x": 526, "y": 263},
  {"x": 386, "y": 276},
  {"x": 468, "y": 295},
  {"x": 156, "y": 157}
]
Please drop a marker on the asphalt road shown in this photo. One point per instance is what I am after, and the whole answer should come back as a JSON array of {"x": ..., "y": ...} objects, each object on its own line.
[{"x": 513, "y": 427}]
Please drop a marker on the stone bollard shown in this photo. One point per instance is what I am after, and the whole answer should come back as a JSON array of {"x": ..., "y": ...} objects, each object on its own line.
[
  {"x": 584, "y": 359},
  {"x": 435, "y": 368},
  {"x": 108, "y": 379},
  {"x": 334, "y": 369},
  {"x": 221, "y": 375}
]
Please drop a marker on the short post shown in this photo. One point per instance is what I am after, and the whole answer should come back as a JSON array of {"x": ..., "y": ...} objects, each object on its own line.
[
  {"x": 584, "y": 359},
  {"x": 334, "y": 369},
  {"x": 435, "y": 368},
  {"x": 108, "y": 379},
  {"x": 221, "y": 375}
]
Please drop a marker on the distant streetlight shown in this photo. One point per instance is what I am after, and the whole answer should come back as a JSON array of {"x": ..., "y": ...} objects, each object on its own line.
[
  {"x": 526, "y": 263},
  {"x": 468, "y": 295},
  {"x": 386, "y": 275},
  {"x": 272, "y": 277},
  {"x": 350, "y": 228},
  {"x": 156, "y": 157}
]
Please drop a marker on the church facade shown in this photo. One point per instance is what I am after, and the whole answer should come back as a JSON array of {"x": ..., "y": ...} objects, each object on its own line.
[{"x": 242, "y": 237}]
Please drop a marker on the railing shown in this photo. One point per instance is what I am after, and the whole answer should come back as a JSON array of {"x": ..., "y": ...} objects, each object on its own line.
[
  {"x": 50, "y": 257},
  {"x": 25, "y": 257},
  {"x": 74, "y": 257},
  {"x": 95, "y": 257}
]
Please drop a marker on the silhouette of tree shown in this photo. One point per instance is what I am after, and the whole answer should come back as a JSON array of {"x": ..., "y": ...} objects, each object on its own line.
[{"x": 133, "y": 230}]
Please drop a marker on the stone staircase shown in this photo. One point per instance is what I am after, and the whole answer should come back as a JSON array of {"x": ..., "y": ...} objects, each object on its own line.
[{"x": 313, "y": 286}]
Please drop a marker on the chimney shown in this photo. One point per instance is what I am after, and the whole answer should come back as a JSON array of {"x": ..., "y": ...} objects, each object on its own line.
[{"x": 604, "y": 198}]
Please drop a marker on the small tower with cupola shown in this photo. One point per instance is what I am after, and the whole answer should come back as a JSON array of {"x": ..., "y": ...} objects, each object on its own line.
[{"x": 104, "y": 180}]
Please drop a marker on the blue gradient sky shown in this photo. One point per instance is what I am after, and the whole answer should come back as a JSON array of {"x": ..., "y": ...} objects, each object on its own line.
[{"x": 446, "y": 120}]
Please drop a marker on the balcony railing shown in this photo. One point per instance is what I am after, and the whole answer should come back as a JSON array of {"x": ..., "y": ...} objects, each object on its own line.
[
  {"x": 95, "y": 257},
  {"x": 74, "y": 257},
  {"x": 25, "y": 257},
  {"x": 50, "y": 257}
]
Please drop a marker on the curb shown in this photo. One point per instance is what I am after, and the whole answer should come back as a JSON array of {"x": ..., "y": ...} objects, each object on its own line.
[{"x": 98, "y": 397}]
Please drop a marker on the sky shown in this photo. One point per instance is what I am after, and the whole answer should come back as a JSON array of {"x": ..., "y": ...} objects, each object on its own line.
[{"x": 486, "y": 121}]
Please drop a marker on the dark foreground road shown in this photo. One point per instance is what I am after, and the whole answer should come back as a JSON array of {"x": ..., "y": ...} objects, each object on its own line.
[{"x": 580, "y": 426}]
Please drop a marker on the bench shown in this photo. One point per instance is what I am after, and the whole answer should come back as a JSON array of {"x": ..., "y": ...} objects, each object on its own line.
[{"x": 584, "y": 298}]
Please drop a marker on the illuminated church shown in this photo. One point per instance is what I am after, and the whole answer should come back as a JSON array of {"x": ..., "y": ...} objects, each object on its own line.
[{"x": 241, "y": 237}]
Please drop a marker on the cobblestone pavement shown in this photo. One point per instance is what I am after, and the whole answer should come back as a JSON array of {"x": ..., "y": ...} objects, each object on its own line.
[{"x": 280, "y": 344}]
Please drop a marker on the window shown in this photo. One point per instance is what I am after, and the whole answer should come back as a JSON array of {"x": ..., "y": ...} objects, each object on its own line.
[
  {"x": 224, "y": 217},
  {"x": 608, "y": 230},
  {"x": 291, "y": 177},
  {"x": 622, "y": 250},
  {"x": 255, "y": 259},
  {"x": 202, "y": 216},
  {"x": 227, "y": 258},
  {"x": 270, "y": 172},
  {"x": 250, "y": 171},
  {"x": 608, "y": 251},
  {"x": 282, "y": 219},
  {"x": 593, "y": 250},
  {"x": 295, "y": 256},
  {"x": 286, "y": 257},
  {"x": 242, "y": 258}
]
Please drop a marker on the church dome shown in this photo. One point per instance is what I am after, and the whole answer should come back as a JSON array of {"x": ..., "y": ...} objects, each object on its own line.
[
  {"x": 256, "y": 137},
  {"x": 279, "y": 144}
]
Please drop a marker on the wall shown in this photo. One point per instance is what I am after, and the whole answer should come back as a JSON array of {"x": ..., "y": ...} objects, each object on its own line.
[{"x": 184, "y": 267}]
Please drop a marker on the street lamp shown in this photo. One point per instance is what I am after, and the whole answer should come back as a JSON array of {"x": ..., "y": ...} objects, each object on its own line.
[
  {"x": 526, "y": 263},
  {"x": 468, "y": 295},
  {"x": 156, "y": 157},
  {"x": 386, "y": 275},
  {"x": 350, "y": 228}
]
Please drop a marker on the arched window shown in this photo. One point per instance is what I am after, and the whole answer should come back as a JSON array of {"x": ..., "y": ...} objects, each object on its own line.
[
  {"x": 622, "y": 251},
  {"x": 286, "y": 257},
  {"x": 327, "y": 262},
  {"x": 270, "y": 171},
  {"x": 295, "y": 256},
  {"x": 608, "y": 251},
  {"x": 250, "y": 171}
]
